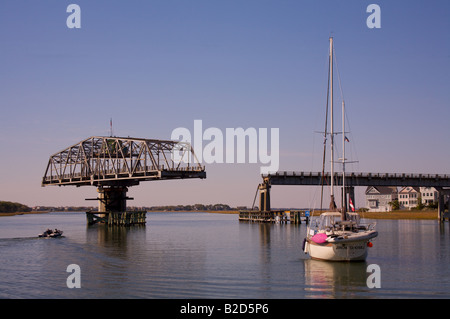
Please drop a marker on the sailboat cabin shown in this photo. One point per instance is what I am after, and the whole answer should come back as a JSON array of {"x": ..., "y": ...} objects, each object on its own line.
[{"x": 378, "y": 198}]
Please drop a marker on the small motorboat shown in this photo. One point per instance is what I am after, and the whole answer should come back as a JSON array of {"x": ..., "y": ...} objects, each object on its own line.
[{"x": 51, "y": 233}]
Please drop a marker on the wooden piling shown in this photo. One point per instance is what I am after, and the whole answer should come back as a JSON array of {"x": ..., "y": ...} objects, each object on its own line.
[
  {"x": 117, "y": 218},
  {"x": 273, "y": 216}
]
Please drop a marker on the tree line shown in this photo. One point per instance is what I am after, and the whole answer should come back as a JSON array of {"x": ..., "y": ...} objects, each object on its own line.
[
  {"x": 11, "y": 207},
  {"x": 195, "y": 207}
]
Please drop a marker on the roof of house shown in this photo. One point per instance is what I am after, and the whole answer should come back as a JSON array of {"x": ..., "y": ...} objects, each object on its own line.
[
  {"x": 409, "y": 189},
  {"x": 381, "y": 190}
]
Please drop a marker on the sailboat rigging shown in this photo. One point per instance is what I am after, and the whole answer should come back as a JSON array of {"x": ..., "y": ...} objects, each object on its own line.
[
  {"x": 325, "y": 138},
  {"x": 337, "y": 235}
]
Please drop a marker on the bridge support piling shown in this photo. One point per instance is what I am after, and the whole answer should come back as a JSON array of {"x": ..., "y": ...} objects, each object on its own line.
[
  {"x": 264, "y": 196},
  {"x": 273, "y": 216},
  {"x": 112, "y": 208},
  {"x": 112, "y": 199},
  {"x": 117, "y": 218},
  {"x": 442, "y": 214}
]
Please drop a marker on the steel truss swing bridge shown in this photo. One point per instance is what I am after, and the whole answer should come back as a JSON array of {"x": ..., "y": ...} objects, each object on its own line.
[
  {"x": 106, "y": 161},
  {"x": 114, "y": 163}
]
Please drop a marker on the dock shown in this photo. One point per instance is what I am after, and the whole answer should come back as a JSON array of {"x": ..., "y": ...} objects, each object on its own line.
[{"x": 275, "y": 216}]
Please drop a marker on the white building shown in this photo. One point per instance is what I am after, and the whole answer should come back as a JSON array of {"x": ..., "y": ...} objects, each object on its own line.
[
  {"x": 408, "y": 197},
  {"x": 378, "y": 198},
  {"x": 429, "y": 195}
]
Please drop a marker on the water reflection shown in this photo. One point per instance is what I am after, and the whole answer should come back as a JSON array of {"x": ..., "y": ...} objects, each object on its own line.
[
  {"x": 444, "y": 228},
  {"x": 143, "y": 261},
  {"x": 334, "y": 279},
  {"x": 106, "y": 235},
  {"x": 197, "y": 255}
]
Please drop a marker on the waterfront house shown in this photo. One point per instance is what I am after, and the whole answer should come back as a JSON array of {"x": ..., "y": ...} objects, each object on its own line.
[
  {"x": 378, "y": 198},
  {"x": 408, "y": 197},
  {"x": 429, "y": 195}
]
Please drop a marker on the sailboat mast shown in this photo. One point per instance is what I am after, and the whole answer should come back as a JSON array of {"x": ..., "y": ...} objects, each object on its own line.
[
  {"x": 332, "y": 203},
  {"x": 344, "y": 194}
]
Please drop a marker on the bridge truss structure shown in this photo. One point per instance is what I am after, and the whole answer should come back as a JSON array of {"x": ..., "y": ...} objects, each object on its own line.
[
  {"x": 113, "y": 164},
  {"x": 106, "y": 161}
]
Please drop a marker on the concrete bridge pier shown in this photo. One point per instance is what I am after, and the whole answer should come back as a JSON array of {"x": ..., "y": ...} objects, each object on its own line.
[
  {"x": 264, "y": 196},
  {"x": 112, "y": 199},
  {"x": 442, "y": 215},
  {"x": 112, "y": 208}
]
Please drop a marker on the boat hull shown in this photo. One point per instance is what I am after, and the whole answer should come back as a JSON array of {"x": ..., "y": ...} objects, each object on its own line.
[
  {"x": 345, "y": 250},
  {"x": 51, "y": 234}
]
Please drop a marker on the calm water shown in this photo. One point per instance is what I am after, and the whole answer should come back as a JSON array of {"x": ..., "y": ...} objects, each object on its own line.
[{"x": 200, "y": 255}]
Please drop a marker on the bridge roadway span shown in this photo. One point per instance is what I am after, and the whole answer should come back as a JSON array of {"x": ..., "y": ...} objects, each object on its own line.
[
  {"x": 113, "y": 164},
  {"x": 358, "y": 179},
  {"x": 440, "y": 182},
  {"x": 120, "y": 161}
]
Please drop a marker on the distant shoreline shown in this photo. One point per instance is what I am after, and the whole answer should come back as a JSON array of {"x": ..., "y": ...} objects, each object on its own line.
[
  {"x": 402, "y": 214},
  {"x": 220, "y": 211},
  {"x": 406, "y": 214},
  {"x": 23, "y": 213}
]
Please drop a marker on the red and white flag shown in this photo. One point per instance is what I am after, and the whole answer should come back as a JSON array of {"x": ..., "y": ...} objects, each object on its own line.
[{"x": 352, "y": 207}]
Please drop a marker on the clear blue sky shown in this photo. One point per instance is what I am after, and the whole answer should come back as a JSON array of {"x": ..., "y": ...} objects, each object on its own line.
[{"x": 154, "y": 66}]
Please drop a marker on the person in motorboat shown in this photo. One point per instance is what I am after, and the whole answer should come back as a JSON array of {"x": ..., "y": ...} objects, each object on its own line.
[{"x": 51, "y": 233}]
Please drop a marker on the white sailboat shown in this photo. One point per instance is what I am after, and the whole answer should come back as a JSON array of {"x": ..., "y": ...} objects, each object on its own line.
[{"x": 338, "y": 235}]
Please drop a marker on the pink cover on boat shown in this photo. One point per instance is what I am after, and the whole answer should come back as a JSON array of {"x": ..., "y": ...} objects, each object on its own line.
[{"x": 319, "y": 238}]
